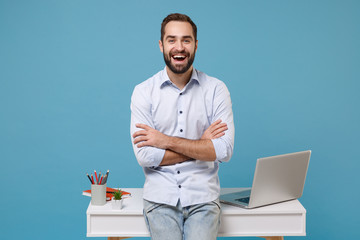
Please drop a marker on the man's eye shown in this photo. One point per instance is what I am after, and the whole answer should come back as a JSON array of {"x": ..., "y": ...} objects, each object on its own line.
[{"x": 171, "y": 41}]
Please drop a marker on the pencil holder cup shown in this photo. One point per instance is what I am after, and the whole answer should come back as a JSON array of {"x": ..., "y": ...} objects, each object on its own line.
[{"x": 98, "y": 194}]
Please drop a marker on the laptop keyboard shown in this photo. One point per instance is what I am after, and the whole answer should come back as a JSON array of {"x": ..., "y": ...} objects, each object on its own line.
[{"x": 243, "y": 200}]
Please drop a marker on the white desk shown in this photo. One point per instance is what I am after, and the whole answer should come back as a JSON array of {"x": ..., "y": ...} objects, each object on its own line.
[{"x": 270, "y": 222}]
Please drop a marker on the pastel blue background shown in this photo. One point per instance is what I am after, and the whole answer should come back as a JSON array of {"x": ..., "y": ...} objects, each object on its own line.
[{"x": 68, "y": 68}]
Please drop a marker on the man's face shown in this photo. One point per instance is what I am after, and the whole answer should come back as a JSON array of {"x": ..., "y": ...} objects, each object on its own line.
[{"x": 178, "y": 46}]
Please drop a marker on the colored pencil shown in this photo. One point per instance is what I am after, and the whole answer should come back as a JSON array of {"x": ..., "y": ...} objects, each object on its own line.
[
  {"x": 96, "y": 176},
  {"x": 89, "y": 177},
  {"x": 101, "y": 180}
]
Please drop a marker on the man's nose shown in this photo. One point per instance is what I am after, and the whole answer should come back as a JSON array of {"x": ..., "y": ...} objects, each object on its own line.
[{"x": 179, "y": 45}]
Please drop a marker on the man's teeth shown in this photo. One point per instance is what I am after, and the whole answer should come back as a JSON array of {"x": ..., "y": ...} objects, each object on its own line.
[{"x": 179, "y": 57}]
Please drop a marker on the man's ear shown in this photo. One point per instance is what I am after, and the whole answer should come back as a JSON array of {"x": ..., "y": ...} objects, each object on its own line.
[
  {"x": 196, "y": 45},
  {"x": 161, "y": 46}
]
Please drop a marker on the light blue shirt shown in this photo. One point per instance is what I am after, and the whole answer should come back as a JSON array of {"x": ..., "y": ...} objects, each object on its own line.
[{"x": 186, "y": 113}]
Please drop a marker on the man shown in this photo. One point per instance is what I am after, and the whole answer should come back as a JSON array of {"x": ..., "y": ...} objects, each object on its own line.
[{"x": 182, "y": 128}]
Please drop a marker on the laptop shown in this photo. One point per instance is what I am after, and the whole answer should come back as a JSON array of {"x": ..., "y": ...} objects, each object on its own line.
[{"x": 276, "y": 179}]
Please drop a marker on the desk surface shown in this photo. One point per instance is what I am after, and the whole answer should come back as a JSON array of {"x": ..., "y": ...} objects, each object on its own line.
[{"x": 283, "y": 219}]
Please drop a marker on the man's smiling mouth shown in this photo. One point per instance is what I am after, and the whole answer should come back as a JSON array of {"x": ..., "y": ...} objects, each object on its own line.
[{"x": 179, "y": 58}]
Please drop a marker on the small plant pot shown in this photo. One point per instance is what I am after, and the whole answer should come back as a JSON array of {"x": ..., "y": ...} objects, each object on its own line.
[{"x": 116, "y": 204}]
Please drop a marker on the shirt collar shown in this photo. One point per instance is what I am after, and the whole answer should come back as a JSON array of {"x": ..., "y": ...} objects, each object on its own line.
[{"x": 165, "y": 80}]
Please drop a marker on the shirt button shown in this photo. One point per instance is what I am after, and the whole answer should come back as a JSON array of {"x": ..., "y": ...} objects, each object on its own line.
[
  {"x": 181, "y": 130},
  {"x": 178, "y": 172},
  {"x": 179, "y": 186},
  {"x": 180, "y": 112},
  {"x": 180, "y": 93}
]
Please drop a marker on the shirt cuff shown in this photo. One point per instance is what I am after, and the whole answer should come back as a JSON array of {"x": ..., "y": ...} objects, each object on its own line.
[
  {"x": 220, "y": 149},
  {"x": 149, "y": 156},
  {"x": 157, "y": 156}
]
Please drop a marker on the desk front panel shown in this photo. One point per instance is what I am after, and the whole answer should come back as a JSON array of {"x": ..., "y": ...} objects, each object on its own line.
[
  {"x": 231, "y": 225},
  {"x": 116, "y": 226},
  {"x": 284, "y": 219}
]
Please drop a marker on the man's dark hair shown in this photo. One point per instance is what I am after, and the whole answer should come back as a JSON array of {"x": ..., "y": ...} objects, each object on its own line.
[{"x": 180, "y": 18}]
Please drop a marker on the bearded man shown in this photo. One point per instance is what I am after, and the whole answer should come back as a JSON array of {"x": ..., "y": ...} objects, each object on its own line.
[{"x": 182, "y": 129}]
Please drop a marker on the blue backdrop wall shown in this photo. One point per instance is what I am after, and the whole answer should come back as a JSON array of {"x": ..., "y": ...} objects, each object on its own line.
[{"x": 68, "y": 68}]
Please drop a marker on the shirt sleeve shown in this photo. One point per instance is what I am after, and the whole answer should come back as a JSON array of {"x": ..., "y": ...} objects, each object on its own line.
[
  {"x": 222, "y": 109},
  {"x": 141, "y": 113}
]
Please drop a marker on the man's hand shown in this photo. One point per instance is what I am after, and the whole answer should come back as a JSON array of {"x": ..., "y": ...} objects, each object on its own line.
[
  {"x": 215, "y": 130},
  {"x": 150, "y": 137}
]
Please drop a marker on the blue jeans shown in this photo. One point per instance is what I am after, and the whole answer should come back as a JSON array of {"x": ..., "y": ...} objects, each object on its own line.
[{"x": 196, "y": 222}]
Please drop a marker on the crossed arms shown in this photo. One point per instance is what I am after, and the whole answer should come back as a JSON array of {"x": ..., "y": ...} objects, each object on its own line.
[
  {"x": 177, "y": 149},
  {"x": 154, "y": 122}
]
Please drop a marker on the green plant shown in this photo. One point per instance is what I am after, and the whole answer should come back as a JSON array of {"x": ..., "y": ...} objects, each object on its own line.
[{"x": 117, "y": 194}]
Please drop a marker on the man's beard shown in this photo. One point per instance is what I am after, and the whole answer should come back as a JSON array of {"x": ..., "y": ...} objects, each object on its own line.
[{"x": 179, "y": 69}]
